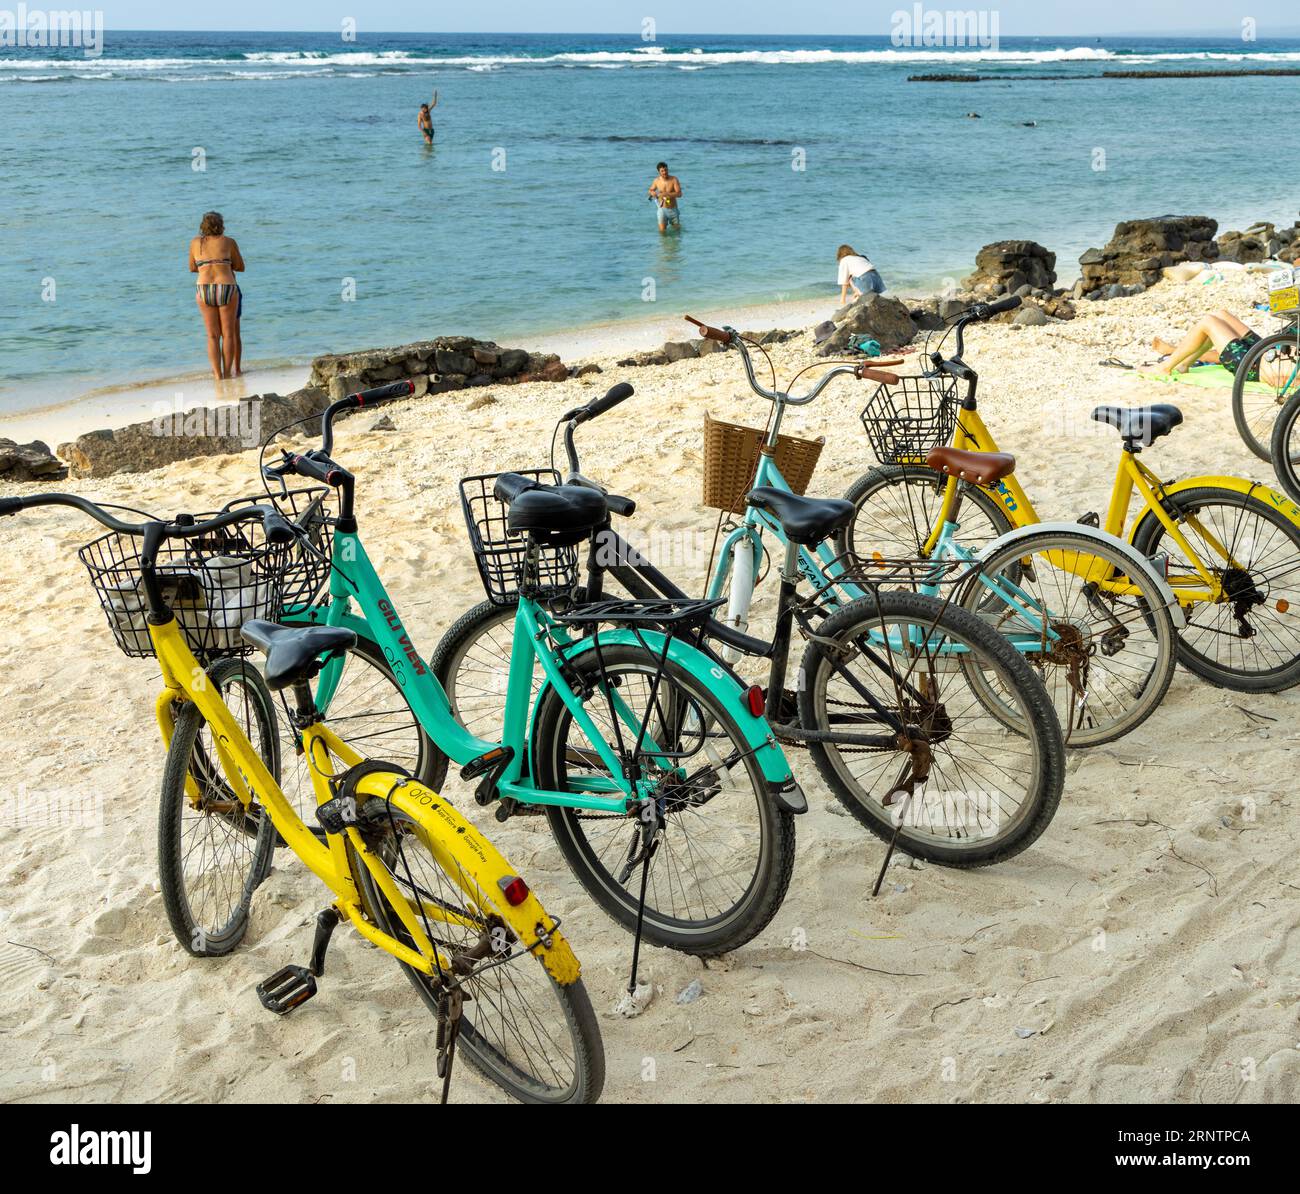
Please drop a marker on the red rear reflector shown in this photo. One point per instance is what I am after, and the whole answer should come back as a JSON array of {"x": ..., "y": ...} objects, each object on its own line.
[
  {"x": 754, "y": 701},
  {"x": 1283, "y": 605},
  {"x": 514, "y": 889}
]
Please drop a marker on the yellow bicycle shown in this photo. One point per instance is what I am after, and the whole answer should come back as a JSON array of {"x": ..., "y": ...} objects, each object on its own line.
[
  {"x": 1229, "y": 547},
  {"x": 404, "y": 868}
]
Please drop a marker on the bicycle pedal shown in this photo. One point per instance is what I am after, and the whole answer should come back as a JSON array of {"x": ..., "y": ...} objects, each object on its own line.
[
  {"x": 288, "y": 988},
  {"x": 1091, "y": 519},
  {"x": 496, "y": 759}
]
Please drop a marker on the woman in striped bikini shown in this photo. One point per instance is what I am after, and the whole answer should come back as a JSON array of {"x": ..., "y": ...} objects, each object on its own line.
[{"x": 215, "y": 257}]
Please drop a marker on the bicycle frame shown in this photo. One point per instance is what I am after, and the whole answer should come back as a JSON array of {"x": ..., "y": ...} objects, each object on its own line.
[
  {"x": 1131, "y": 476},
  {"x": 464, "y": 855},
  {"x": 353, "y": 578}
]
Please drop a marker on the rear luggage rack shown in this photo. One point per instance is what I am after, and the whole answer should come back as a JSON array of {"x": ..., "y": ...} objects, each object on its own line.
[{"x": 675, "y": 612}]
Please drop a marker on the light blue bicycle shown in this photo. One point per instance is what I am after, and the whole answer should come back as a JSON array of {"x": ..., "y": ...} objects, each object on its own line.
[{"x": 1089, "y": 612}]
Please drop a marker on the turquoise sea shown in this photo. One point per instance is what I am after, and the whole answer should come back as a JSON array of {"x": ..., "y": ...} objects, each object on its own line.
[{"x": 530, "y": 211}]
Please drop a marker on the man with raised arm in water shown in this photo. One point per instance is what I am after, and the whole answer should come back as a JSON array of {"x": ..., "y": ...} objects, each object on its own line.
[{"x": 666, "y": 190}]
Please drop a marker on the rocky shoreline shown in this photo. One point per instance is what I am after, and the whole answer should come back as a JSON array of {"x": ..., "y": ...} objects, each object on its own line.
[{"x": 1136, "y": 256}]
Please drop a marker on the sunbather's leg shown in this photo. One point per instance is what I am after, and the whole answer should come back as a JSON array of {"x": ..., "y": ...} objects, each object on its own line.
[{"x": 1210, "y": 334}]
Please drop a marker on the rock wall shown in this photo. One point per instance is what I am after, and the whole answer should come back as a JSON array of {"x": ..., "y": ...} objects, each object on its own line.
[
  {"x": 1139, "y": 249},
  {"x": 1006, "y": 266},
  {"x": 434, "y": 366},
  {"x": 876, "y": 316},
  {"x": 29, "y": 462},
  {"x": 1260, "y": 242},
  {"x": 203, "y": 431}
]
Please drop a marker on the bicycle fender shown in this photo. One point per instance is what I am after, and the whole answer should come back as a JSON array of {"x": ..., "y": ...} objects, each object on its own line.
[
  {"x": 1257, "y": 489},
  {"x": 1125, "y": 548},
  {"x": 727, "y": 689},
  {"x": 461, "y": 849}
]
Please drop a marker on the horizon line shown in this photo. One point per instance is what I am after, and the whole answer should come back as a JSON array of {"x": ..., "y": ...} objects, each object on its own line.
[{"x": 1228, "y": 32}]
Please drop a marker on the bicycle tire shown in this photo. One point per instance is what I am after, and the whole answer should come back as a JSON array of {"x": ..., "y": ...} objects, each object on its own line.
[
  {"x": 1044, "y": 758},
  {"x": 400, "y": 737},
  {"x": 1255, "y": 414},
  {"x": 486, "y": 1045},
  {"x": 235, "y": 852},
  {"x": 918, "y": 512},
  {"x": 1285, "y": 447},
  {"x": 1281, "y": 581},
  {"x": 1093, "y": 647},
  {"x": 769, "y": 827}
]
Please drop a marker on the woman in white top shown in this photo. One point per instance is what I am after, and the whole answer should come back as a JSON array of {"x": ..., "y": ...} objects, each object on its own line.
[{"x": 856, "y": 271}]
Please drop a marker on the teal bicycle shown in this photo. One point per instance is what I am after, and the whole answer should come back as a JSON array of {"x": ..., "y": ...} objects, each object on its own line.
[{"x": 667, "y": 793}]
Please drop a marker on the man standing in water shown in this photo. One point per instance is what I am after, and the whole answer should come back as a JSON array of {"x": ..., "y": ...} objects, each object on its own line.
[
  {"x": 425, "y": 119},
  {"x": 666, "y": 190}
]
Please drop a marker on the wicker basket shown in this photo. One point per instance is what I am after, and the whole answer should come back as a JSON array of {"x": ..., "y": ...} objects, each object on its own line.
[{"x": 731, "y": 461}]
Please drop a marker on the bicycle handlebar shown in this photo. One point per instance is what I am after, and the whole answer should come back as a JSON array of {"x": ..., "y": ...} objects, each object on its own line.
[
  {"x": 598, "y": 406},
  {"x": 396, "y": 389},
  {"x": 721, "y": 335},
  {"x": 954, "y": 366},
  {"x": 277, "y": 527}
]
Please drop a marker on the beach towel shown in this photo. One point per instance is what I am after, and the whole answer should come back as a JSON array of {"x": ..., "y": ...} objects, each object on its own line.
[{"x": 1211, "y": 377}]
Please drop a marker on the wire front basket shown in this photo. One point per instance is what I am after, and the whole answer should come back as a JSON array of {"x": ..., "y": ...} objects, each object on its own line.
[
  {"x": 307, "y": 568},
  {"x": 502, "y": 555},
  {"x": 213, "y": 584},
  {"x": 904, "y": 421}
]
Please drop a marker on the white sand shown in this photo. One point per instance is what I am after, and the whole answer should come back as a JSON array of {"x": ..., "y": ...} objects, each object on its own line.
[{"x": 1149, "y": 939}]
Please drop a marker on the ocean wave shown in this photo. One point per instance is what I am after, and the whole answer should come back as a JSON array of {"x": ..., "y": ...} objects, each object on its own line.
[{"x": 281, "y": 63}]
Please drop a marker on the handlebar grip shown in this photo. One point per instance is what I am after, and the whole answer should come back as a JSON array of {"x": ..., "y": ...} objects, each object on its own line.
[
  {"x": 619, "y": 393},
  {"x": 305, "y": 466},
  {"x": 277, "y": 527},
  {"x": 510, "y": 485},
  {"x": 623, "y": 507},
  {"x": 710, "y": 333},
  {"x": 397, "y": 389},
  {"x": 867, "y": 373},
  {"x": 1010, "y": 303},
  {"x": 11, "y": 505}
]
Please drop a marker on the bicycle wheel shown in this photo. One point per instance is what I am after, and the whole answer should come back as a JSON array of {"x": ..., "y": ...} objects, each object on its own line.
[
  {"x": 897, "y": 505},
  {"x": 726, "y": 850},
  {"x": 990, "y": 791},
  {"x": 472, "y": 663},
  {"x": 1255, "y": 405},
  {"x": 539, "y": 1041},
  {"x": 372, "y": 714},
  {"x": 1249, "y": 641},
  {"x": 1105, "y": 657},
  {"x": 212, "y": 852},
  {"x": 1285, "y": 447}
]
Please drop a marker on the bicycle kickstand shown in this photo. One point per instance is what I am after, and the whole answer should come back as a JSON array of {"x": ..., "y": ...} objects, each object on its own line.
[
  {"x": 451, "y": 1000},
  {"x": 907, "y": 787},
  {"x": 649, "y": 837}
]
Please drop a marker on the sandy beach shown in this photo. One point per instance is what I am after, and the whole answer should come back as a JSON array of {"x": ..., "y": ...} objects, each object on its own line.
[{"x": 1146, "y": 949}]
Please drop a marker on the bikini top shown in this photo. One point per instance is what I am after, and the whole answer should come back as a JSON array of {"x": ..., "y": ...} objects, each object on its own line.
[{"x": 212, "y": 260}]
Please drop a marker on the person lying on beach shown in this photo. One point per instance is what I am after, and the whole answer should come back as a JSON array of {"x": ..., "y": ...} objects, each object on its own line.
[
  {"x": 425, "y": 121},
  {"x": 665, "y": 190},
  {"x": 856, "y": 272},
  {"x": 215, "y": 258},
  {"x": 1220, "y": 338}
]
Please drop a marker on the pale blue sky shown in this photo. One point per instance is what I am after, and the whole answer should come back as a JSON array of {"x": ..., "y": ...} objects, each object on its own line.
[{"x": 1062, "y": 18}]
